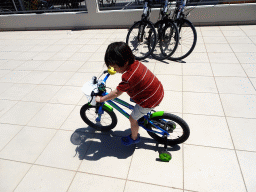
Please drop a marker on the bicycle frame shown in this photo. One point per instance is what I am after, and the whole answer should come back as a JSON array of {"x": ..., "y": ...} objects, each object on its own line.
[{"x": 116, "y": 101}]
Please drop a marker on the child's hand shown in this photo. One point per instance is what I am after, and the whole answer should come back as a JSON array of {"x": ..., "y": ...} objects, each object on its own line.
[{"x": 97, "y": 99}]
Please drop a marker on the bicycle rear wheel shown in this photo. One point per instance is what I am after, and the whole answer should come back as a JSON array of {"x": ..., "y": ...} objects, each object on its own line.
[
  {"x": 177, "y": 128},
  {"x": 89, "y": 115},
  {"x": 141, "y": 38},
  {"x": 167, "y": 39},
  {"x": 187, "y": 39}
]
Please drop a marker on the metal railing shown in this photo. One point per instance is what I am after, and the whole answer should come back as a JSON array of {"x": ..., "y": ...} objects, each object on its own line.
[{"x": 42, "y": 6}]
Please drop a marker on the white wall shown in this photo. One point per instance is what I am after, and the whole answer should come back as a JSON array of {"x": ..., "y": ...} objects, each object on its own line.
[{"x": 202, "y": 15}]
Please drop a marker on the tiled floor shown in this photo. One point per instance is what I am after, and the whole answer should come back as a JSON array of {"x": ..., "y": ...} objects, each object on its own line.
[{"x": 214, "y": 90}]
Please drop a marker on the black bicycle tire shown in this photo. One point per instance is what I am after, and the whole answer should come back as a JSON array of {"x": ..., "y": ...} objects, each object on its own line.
[
  {"x": 153, "y": 46},
  {"x": 95, "y": 126},
  {"x": 176, "y": 119},
  {"x": 170, "y": 22},
  {"x": 173, "y": 58}
]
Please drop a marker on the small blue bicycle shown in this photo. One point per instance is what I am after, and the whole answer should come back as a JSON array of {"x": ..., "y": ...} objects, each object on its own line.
[{"x": 165, "y": 128}]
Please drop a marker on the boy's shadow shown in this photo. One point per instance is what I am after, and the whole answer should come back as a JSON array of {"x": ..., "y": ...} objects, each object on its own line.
[{"x": 93, "y": 147}]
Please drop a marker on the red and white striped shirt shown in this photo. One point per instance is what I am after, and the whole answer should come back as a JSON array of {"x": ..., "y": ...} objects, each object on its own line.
[{"x": 141, "y": 85}]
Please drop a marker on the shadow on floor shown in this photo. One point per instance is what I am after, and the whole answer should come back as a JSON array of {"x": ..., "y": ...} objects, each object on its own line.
[{"x": 95, "y": 145}]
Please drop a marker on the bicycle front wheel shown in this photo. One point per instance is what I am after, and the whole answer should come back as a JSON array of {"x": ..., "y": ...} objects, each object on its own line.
[
  {"x": 177, "y": 128},
  {"x": 141, "y": 38},
  {"x": 187, "y": 39},
  {"x": 167, "y": 39},
  {"x": 89, "y": 115}
]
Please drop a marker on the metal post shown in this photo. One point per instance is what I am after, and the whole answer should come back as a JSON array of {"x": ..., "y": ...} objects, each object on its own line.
[
  {"x": 21, "y": 5},
  {"x": 14, "y": 5}
]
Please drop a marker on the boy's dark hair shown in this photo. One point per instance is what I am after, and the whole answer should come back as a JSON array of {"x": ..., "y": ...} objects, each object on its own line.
[{"x": 118, "y": 53}]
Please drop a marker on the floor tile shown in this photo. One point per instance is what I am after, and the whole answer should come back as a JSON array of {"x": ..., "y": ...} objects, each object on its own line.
[
  {"x": 21, "y": 113},
  {"x": 236, "y": 85},
  {"x": 234, "y": 33},
  {"x": 199, "y": 84},
  {"x": 42, "y": 93},
  {"x": 107, "y": 156},
  {"x": 70, "y": 66},
  {"x": 51, "y": 116},
  {"x": 5, "y": 105},
  {"x": 243, "y": 48},
  {"x": 137, "y": 187},
  {"x": 197, "y": 58},
  {"x": 89, "y": 67},
  {"x": 74, "y": 122},
  {"x": 61, "y": 153},
  {"x": 239, "y": 105},
  {"x": 97, "y": 57},
  {"x": 79, "y": 79},
  {"x": 17, "y": 91},
  {"x": 248, "y": 58},
  {"x": 58, "y": 78},
  {"x": 29, "y": 65},
  {"x": 218, "y": 48},
  {"x": 50, "y": 65},
  {"x": 80, "y": 57},
  {"x": 253, "y": 80},
  {"x": 92, "y": 183},
  {"x": 247, "y": 163},
  {"x": 68, "y": 95},
  {"x": 7, "y": 132},
  {"x": 200, "y": 48},
  {"x": 219, "y": 39},
  {"x": 240, "y": 40},
  {"x": 43, "y": 56},
  {"x": 208, "y": 131},
  {"x": 223, "y": 58},
  {"x": 11, "y": 64},
  {"x": 202, "y": 103},
  {"x": 228, "y": 70},
  {"x": 173, "y": 170},
  {"x": 199, "y": 69},
  {"x": 28, "y": 144},
  {"x": 61, "y": 56},
  {"x": 171, "y": 68},
  {"x": 243, "y": 133},
  {"x": 45, "y": 179},
  {"x": 35, "y": 77},
  {"x": 171, "y": 82},
  {"x": 11, "y": 174},
  {"x": 171, "y": 102},
  {"x": 250, "y": 69},
  {"x": 89, "y": 48},
  {"x": 14, "y": 76},
  {"x": 212, "y": 33},
  {"x": 71, "y": 48},
  {"x": 205, "y": 166}
]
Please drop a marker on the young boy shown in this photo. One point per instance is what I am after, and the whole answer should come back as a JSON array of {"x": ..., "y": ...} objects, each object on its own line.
[{"x": 140, "y": 84}]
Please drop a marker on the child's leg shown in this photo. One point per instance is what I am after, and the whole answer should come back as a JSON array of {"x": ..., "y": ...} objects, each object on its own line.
[
  {"x": 137, "y": 113},
  {"x": 134, "y": 128}
]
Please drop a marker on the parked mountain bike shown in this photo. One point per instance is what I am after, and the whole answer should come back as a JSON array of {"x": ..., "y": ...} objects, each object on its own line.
[
  {"x": 165, "y": 128},
  {"x": 141, "y": 37},
  {"x": 187, "y": 32},
  {"x": 167, "y": 34}
]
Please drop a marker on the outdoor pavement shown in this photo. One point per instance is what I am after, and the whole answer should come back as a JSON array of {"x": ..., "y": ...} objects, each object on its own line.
[{"x": 45, "y": 146}]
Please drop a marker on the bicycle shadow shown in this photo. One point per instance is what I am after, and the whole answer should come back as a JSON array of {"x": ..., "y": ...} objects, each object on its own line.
[{"x": 93, "y": 147}]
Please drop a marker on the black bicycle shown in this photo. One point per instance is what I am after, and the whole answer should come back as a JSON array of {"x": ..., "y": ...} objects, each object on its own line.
[
  {"x": 167, "y": 34},
  {"x": 187, "y": 32},
  {"x": 141, "y": 37}
]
